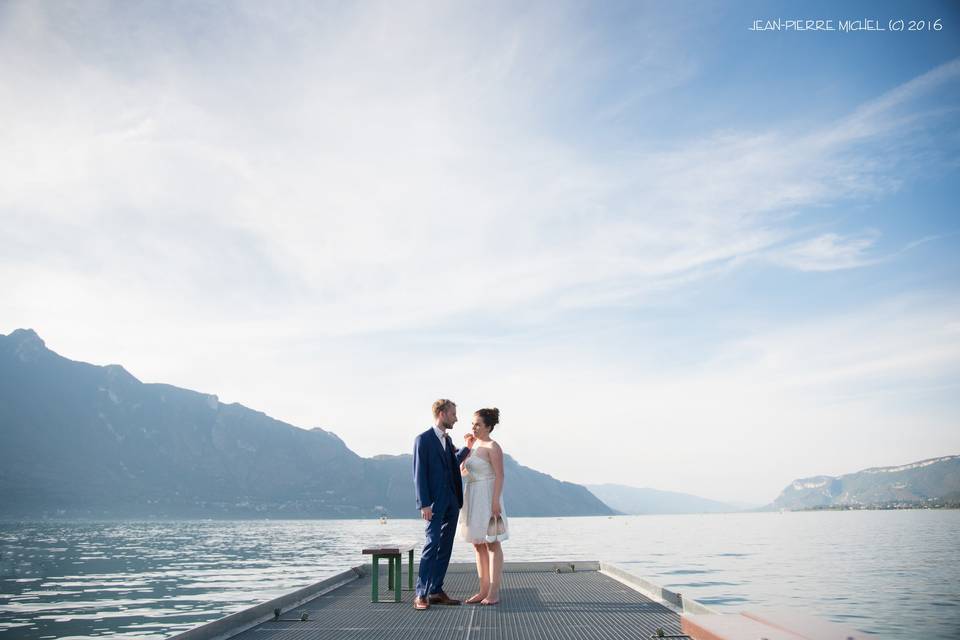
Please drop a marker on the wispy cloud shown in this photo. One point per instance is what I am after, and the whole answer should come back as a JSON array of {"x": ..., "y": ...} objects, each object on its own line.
[
  {"x": 882, "y": 113},
  {"x": 829, "y": 252}
]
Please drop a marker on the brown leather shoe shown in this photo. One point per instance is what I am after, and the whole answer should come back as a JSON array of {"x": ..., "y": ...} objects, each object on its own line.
[
  {"x": 421, "y": 604},
  {"x": 442, "y": 598}
]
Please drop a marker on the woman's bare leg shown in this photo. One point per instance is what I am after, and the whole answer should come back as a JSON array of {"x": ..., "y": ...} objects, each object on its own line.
[
  {"x": 496, "y": 573},
  {"x": 483, "y": 572}
]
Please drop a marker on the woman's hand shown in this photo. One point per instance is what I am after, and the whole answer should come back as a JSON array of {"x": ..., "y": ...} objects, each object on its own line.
[
  {"x": 470, "y": 439},
  {"x": 495, "y": 510}
]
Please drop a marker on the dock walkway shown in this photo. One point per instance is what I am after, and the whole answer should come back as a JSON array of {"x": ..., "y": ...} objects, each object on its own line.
[{"x": 555, "y": 600}]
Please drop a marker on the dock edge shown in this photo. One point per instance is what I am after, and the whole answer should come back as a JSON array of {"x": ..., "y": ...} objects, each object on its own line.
[
  {"x": 238, "y": 622},
  {"x": 673, "y": 600}
]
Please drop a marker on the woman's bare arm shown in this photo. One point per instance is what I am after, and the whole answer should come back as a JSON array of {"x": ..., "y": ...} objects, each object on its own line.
[{"x": 496, "y": 461}]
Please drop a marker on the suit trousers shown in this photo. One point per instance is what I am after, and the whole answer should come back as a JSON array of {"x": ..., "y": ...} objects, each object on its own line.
[{"x": 435, "y": 557}]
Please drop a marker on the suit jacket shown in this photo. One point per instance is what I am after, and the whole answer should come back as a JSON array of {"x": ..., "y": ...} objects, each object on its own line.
[{"x": 436, "y": 472}]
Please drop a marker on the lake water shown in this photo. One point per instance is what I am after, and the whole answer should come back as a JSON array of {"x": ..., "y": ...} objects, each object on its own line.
[{"x": 895, "y": 573}]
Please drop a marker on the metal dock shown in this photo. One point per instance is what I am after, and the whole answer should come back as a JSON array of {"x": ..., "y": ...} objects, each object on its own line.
[{"x": 567, "y": 600}]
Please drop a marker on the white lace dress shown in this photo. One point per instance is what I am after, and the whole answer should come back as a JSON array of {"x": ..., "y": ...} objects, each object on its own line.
[{"x": 477, "y": 503}]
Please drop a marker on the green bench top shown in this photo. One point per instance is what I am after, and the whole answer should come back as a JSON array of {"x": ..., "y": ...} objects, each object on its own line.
[{"x": 389, "y": 550}]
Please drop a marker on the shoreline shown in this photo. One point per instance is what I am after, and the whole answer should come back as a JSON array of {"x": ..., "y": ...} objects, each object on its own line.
[{"x": 27, "y": 519}]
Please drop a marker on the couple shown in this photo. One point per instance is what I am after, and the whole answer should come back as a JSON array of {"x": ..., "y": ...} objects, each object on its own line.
[{"x": 440, "y": 496}]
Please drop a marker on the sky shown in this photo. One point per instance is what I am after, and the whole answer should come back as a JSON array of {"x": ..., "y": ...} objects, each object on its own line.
[{"x": 674, "y": 251}]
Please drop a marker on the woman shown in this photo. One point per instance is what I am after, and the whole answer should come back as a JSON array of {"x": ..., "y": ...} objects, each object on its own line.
[{"x": 483, "y": 501}]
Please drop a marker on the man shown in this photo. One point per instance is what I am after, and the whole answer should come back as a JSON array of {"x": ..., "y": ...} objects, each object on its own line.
[{"x": 439, "y": 487}]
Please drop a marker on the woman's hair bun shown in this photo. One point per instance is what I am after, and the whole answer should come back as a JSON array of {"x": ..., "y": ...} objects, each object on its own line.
[{"x": 490, "y": 416}]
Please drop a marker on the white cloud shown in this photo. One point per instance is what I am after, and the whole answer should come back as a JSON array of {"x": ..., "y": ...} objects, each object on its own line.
[
  {"x": 830, "y": 395},
  {"x": 829, "y": 252}
]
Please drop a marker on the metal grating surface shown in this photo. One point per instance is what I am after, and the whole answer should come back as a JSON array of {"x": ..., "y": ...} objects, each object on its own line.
[{"x": 533, "y": 606}]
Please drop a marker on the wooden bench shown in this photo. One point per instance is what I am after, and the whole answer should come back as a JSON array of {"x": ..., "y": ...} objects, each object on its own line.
[{"x": 394, "y": 555}]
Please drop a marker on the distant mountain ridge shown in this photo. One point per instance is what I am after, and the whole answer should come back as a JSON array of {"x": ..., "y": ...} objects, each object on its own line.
[
  {"x": 638, "y": 501},
  {"x": 913, "y": 483},
  {"x": 82, "y": 440}
]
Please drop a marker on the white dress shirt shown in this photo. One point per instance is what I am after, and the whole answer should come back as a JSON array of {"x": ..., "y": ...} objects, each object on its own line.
[{"x": 440, "y": 434}]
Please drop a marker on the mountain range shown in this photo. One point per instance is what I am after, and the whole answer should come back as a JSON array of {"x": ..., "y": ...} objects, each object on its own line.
[
  {"x": 93, "y": 441},
  {"x": 935, "y": 479}
]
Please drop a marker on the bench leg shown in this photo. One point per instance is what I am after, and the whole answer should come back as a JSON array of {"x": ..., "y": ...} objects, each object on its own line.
[
  {"x": 376, "y": 579},
  {"x": 397, "y": 573},
  {"x": 410, "y": 571},
  {"x": 390, "y": 573}
]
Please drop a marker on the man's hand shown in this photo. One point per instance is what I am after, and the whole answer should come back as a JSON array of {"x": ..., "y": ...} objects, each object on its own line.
[{"x": 427, "y": 513}]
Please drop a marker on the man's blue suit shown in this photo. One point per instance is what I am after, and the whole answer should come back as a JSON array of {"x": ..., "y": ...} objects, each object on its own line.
[{"x": 436, "y": 474}]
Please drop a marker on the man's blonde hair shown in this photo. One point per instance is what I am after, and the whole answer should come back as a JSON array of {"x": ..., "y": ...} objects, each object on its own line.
[{"x": 442, "y": 405}]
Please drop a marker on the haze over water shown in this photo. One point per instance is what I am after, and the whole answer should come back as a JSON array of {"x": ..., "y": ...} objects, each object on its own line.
[{"x": 894, "y": 573}]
